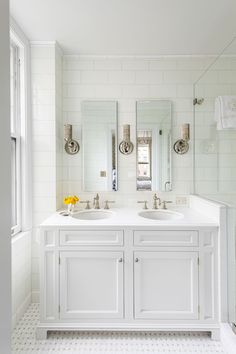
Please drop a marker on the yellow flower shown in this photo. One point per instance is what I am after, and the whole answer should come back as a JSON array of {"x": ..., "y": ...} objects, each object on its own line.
[{"x": 71, "y": 200}]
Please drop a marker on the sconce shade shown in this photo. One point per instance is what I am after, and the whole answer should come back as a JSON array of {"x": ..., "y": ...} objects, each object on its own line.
[
  {"x": 71, "y": 146},
  {"x": 181, "y": 146},
  {"x": 126, "y": 146},
  {"x": 185, "y": 132},
  {"x": 67, "y": 132}
]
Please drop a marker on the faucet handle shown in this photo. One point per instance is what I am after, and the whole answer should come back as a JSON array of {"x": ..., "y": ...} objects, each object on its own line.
[
  {"x": 96, "y": 202},
  {"x": 87, "y": 203},
  {"x": 165, "y": 202},
  {"x": 145, "y": 203},
  {"x": 107, "y": 203}
]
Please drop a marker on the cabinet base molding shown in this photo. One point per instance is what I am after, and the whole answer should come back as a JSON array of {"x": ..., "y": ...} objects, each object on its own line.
[{"x": 42, "y": 329}]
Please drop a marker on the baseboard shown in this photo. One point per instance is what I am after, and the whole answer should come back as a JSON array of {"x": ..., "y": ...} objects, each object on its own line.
[
  {"x": 21, "y": 310},
  {"x": 233, "y": 326},
  {"x": 35, "y": 296}
]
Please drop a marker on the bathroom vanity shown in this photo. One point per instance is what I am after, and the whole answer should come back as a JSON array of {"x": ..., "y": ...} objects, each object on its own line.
[{"x": 127, "y": 272}]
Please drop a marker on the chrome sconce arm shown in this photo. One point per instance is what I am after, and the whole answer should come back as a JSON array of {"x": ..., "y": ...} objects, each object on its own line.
[{"x": 71, "y": 146}]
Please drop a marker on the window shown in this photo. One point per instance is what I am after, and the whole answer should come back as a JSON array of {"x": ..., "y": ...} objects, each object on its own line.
[
  {"x": 21, "y": 177},
  {"x": 144, "y": 152},
  {"x": 15, "y": 137}
]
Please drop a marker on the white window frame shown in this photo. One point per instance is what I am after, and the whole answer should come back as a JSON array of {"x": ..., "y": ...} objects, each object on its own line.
[
  {"x": 23, "y": 132},
  {"x": 16, "y": 134}
]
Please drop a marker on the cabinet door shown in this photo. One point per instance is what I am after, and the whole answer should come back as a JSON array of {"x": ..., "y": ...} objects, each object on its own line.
[
  {"x": 91, "y": 285},
  {"x": 166, "y": 285}
]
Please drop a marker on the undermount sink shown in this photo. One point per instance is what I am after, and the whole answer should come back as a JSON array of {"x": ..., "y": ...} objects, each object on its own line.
[
  {"x": 160, "y": 215},
  {"x": 93, "y": 214}
]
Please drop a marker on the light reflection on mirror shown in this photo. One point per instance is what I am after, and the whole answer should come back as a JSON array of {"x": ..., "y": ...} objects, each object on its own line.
[
  {"x": 99, "y": 134},
  {"x": 153, "y": 145}
]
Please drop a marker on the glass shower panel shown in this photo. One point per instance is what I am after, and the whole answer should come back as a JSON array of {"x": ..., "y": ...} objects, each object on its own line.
[{"x": 215, "y": 150}]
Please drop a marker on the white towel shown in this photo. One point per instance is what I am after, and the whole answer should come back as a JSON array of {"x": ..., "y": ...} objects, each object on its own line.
[{"x": 225, "y": 112}]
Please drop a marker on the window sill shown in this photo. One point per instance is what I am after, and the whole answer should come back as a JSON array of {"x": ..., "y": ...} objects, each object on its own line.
[{"x": 19, "y": 235}]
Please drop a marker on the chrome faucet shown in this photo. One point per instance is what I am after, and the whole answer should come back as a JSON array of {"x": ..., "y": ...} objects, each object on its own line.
[
  {"x": 107, "y": 203},
  {"x": 155, "y": 199},
  {"x": 164, "y": 204},
  {"x": 145, "y": 203},
  {"x": 96, "y": 202},
  {"x": 87, "y": 203}
]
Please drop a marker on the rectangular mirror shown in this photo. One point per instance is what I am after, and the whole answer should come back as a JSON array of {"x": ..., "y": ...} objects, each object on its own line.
[
  {"x": 153, "y": 145},
  {"x": 99, "y": 135}
]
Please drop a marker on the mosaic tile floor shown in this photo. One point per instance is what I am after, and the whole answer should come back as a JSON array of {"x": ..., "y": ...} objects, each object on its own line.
[{"x": 24, "y": 342}]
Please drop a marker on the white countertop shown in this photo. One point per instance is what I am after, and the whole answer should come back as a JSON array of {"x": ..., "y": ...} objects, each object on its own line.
[{"x": 124, "y": 217}]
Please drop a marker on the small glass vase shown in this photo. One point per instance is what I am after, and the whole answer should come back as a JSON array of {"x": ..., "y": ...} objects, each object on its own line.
[{"x": 70, "y": 208}]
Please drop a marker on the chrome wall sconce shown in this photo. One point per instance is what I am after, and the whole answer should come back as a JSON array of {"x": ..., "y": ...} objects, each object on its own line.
[
  {"x": 198, "y": 101},
  {"x": 181, "y": 146},
  {"x": 71, "y": 146},
  {"x": 126, "y": 146}
]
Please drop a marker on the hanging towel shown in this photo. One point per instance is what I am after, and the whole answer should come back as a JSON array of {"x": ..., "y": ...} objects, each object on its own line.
[{"x": 225, "y": 112}]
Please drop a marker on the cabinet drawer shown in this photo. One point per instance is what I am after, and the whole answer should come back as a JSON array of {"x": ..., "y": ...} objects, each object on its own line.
[
  {"x": 91, "y": 238},
  {"x": 166, "y": 238}
]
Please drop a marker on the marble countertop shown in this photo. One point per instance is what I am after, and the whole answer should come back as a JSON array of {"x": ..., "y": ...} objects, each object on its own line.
[{"x": 127, "y": 217}]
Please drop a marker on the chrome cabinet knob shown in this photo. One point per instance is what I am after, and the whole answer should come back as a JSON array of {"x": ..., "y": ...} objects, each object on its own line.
[
  {"x": 120, "y": 260},
  {"x": 136, "y": 260}
]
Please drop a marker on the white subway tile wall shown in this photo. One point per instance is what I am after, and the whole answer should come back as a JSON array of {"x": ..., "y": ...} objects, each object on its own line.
[
  {"x": 47, "y": 138},
  {"x": 127, "y": 80}
]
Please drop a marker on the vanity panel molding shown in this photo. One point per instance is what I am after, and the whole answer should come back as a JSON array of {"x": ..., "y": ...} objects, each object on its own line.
[
  {"x": 166, "y": 238},
  {"x": 94, "y": 284},
  {"x": 49, "y": 275},
  {"x": 210, "y": 273},
  {"x": 166, "y": 285},
  {"x": 91, "y": 238},
  {"x": 129, "y": 278}
]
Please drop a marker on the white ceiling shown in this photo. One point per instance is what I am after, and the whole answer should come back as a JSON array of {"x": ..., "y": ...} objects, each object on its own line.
[{"x": 129, "y": 27}]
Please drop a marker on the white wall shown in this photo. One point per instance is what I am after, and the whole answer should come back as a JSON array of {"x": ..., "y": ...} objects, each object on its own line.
[
  {"x": 21, "y": 275},
  {"x": 5, "y": 187},
  {"x": 59, "y": 125},
  {"x": 47, "y": 139}
]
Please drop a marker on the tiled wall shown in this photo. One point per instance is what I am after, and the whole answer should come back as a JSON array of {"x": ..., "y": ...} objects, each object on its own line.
[
  {"x": 46, "y": 138},
  {"x": 59, "y": 125},
  {"x": 127, "y": 80}
]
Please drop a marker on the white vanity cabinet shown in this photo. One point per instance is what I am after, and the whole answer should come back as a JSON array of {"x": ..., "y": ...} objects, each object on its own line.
[{"x": 129, "y": 278}]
